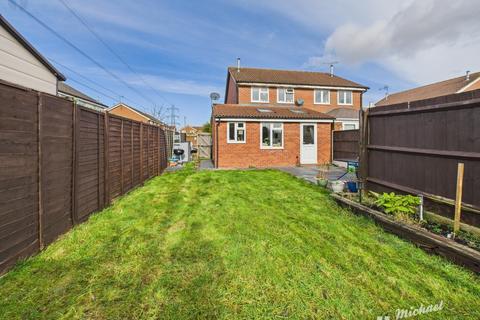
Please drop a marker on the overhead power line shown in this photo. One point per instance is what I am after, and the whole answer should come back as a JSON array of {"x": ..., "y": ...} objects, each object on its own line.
[
  {"x": 98, "y": 64},
  {"x": 117, "y": 97},
  {"x": 112, "y": 51}
]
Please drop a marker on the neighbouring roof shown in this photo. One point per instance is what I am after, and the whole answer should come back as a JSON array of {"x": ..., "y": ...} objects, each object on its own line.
[
  {"x": 66, "y": 89},
  {"x": 437, "y": 89},
  {"x": 5, "y": 24},
  {"x": 256, "y": 75},
  {"x": 344, "y": 113},
  {"x": 256, "y": 112},
  {"x": 146, "y": 115}
]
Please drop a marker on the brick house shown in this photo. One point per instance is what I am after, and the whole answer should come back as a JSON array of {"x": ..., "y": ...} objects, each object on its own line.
[
  {"x": 279, "y": 118},
  {"x": 468, "y": 82}
]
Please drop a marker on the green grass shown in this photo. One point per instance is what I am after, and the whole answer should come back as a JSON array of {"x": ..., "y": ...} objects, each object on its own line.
[{"x": 232, "y": 245}]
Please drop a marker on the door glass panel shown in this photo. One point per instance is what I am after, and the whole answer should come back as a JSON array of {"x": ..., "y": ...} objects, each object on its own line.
[{"x": 308, "y": 134}]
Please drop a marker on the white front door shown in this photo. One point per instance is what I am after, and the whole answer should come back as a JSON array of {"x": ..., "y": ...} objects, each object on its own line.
[{"x": 308, "y": 143}]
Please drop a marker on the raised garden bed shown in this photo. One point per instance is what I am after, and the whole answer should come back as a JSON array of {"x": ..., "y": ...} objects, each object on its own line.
[{"x": 428, "y": 241}]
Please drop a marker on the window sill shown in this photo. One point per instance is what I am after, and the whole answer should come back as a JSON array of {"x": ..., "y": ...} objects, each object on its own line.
[
  {"x": 260, "y": 101},
  {"x": 235, "y": 142},
  {"x": 345, "y": 104},
  {"x": 271, "y": 148},
  {"x": 323, "y": 104}
]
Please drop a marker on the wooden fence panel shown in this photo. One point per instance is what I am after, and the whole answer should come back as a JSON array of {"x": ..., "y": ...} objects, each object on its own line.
[
  {"x": 415, "y": 148},
  {"x": 115, "y": 158},
  {"x": 56, "y": 136},
  {"x": 90, "y": 157},
  {"x": 60, "y": 162},
  {"x": 346, "y": 145},
  {"x": 18, "y": 175}
]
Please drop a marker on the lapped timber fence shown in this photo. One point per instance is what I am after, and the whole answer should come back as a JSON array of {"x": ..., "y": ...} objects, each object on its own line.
[
  {"x": 60, "y": 162},
  {"x": 415, "y": 148}
]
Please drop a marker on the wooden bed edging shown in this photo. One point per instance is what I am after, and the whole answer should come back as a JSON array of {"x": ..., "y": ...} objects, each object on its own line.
[{"x": 429, "y": 242}]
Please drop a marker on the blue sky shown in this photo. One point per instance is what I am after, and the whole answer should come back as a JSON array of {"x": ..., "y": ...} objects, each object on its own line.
[{"x": 183, "y": 48}]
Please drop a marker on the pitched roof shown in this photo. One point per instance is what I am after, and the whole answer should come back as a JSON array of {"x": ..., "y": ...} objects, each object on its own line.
[
  {"x": 344, "y": 113},
  {"x": 146, "y": 115},
  {"x": 437, "y": 89},
  {"x": 66, "y": 89},
  {"x": 27, "y": 45},
  {"x": 266, "y": 112},
  {"x": 256, "y": 75}
]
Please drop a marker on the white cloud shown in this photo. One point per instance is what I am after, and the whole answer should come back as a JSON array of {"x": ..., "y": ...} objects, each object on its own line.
[{"x": 426, "y": 41}]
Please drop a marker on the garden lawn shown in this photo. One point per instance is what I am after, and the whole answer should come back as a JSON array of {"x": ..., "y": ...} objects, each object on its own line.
[{"x": 227, "y": 245}]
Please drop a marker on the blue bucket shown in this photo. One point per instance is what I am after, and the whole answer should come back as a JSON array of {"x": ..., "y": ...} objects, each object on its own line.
[{"x": 352, "y": 186}]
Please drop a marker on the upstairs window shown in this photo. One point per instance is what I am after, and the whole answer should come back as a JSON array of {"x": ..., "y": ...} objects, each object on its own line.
[
  {"x": 285, "y": 95},
  {"x": 345, "y": 97},
  {"x": 272, "y": 135},
  {"x": 322, "y": 97},
  {"x": 236, "y": 132},
  {"x": 259, "y": 94}
]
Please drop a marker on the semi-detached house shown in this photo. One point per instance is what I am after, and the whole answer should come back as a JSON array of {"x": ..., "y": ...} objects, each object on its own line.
[{"x": 274, "y": 118}]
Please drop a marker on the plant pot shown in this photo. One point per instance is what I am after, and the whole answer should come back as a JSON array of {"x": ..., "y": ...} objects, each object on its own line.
[
  {"x": 322, "y": 182},
  {"x": 352, "y": 186},
  {"x": 337, "y": 186}
]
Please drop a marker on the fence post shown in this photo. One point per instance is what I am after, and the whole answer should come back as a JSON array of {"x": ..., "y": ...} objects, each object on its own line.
[
  {"x": 148, "y": 151},
  {"x": 99, "y": 207},
  {"x": 74, "y": 163},
  {"x": 158, "y": 151},
  {"x": 458, "y": 199},
  {"x": 39, "y": 171},
  {"x": 106, "y": 165},
  {"x": 121, "y": 156},
  {"x": 141, "y": 153},
  {"x": 363, "y": 152},
  {"x": 131, "y": 154}
]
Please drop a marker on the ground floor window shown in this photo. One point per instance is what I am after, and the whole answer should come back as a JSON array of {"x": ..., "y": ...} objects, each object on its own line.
[
  {"x": 236, "y": 132},
  {"x": 272, "y": 135}
]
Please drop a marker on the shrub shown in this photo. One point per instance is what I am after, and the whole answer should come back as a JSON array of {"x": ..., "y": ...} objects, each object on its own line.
[{"x": 392, "y": 203}]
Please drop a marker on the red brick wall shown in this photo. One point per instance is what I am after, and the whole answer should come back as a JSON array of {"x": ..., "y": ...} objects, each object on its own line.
[
  {"x": 231, "y": 95},
  {"x": 249, "y": 154},
  {"x": 244, "y": 96}
]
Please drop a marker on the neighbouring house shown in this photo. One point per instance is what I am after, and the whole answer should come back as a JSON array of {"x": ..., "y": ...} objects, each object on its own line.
[
  {"x": 23, "y": 65},
  {"x": 280, "y": 118},
  {"x": 66, "y": 91},
  {"x": 126, "y": 111},
  {"x": 123, "y": 110},
  {"x": 468, "y": 82},
  {"x": 345, "y": 118}
]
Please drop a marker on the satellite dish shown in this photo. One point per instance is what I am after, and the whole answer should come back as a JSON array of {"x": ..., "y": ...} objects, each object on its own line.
[
  {"x": 300, "y": 102},
  {"x": 214, "y": 96}
]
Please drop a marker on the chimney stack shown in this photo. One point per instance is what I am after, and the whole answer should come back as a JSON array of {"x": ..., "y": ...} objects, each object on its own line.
[
  {"x": 467, "y": 76},
  {"x": 238, "y": 64},
  {"x": 331, "y": 70}
]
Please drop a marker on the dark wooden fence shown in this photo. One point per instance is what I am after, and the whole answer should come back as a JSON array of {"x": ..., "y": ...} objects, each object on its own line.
[
  {"x": 60, "y": 162},
  {"x": 346, "y": 145},
  {"x": 415, "y": 148}
]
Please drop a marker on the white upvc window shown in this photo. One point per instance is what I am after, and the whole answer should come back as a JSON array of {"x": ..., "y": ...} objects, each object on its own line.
[
  {"x": 349, "y": 126},
  {"x": 236, "y": 132},
  {"x": 322, "y": 96},
  {"x": 345, "y": 97},
  {"x": 271, "y": 135},
  {"x": 285, "y": 95},
  {"x": 260, "y": 94}
]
